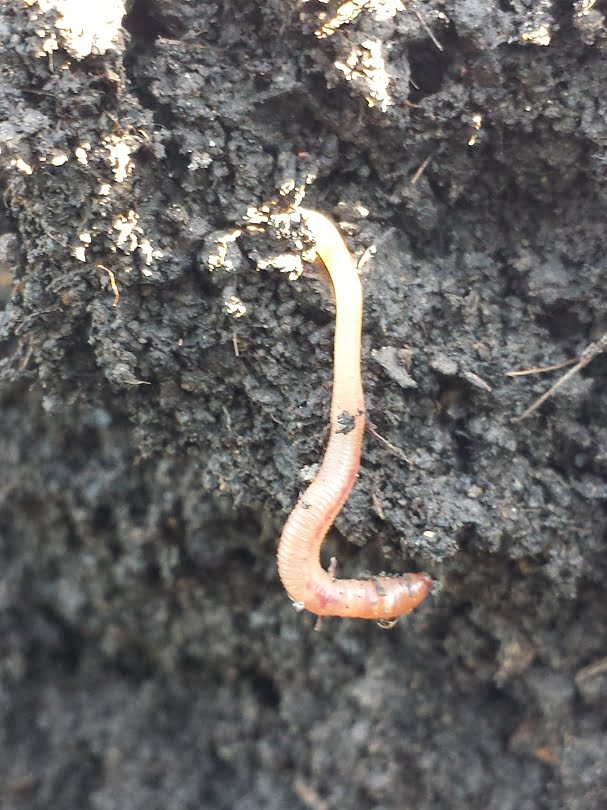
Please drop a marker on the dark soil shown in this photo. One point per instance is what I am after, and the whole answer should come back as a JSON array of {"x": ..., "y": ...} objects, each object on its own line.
[{"x": 152, "y": 443}]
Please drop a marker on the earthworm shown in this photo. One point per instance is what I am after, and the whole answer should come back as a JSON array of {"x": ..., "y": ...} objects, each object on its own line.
[{"x": 305, "y": 580}]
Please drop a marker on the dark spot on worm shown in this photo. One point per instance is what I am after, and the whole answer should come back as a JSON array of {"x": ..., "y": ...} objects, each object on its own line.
[
  {"x": 381, "y": 591},
  {"x": 305, "y": 505},
  {"x": 346, "y": 422}
]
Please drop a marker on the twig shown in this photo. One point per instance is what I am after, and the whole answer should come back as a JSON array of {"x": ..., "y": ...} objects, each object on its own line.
[
  {"x": 589, "y": 353},
  {"x": 377, "y": 504},
  {"x": 541, "y": 369},
  {"x": 423, "y": 24},
  {"x": 31, "y": 317},
  {"x": 591, "y": 671},
  {"x": 113, "y": 284},
  {"x": 391, "y": 447},
  {"x": 421, "y": 169}
]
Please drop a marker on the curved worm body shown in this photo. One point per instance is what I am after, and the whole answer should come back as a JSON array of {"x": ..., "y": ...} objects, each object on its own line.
[{"x": 301, "y": 573}]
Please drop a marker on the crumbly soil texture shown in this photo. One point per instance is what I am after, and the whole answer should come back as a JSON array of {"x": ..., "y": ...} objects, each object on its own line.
[{"x": 164, "y": 395}]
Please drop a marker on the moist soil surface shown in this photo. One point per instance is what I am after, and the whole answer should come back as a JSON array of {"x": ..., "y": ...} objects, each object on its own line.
[{"x": 164, "y": 394}]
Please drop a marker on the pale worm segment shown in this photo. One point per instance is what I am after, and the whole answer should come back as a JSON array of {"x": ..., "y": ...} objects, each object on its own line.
[{"x": 305, "y": 580}]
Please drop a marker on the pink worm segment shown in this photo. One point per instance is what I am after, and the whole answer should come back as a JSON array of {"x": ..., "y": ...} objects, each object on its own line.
[{"x": 299, "y": 568}]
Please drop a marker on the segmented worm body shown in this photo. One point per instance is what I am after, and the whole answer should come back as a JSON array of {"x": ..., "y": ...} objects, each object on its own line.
[{"x": 301, "y": 573}]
